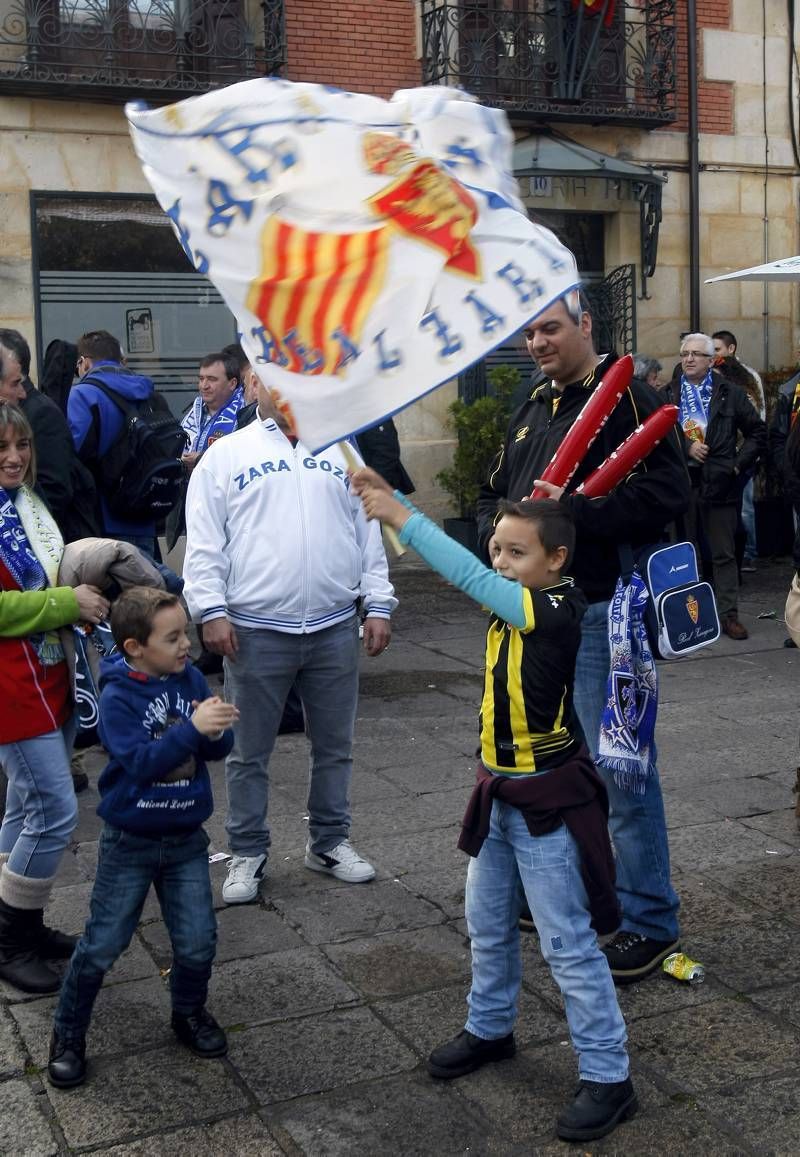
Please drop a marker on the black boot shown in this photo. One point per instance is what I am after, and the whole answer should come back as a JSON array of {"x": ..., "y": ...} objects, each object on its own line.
[
  {"x": 66, "y": 1066},
  {"x": 20, "y": 962},
  {"x": 466, "y": 1052},
  {"x": 200, "y": 1032},
  {"x": 596, "y": 1109},
  {"x": 50, "y": 943}
]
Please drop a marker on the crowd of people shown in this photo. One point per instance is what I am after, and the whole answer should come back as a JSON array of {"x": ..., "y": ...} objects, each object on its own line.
[{"x": 284, "y": 575}]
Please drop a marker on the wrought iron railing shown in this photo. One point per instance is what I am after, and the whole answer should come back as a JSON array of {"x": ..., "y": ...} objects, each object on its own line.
[
  {"x": 129, "y": 47},
  {"x": 557, "y": 60}
]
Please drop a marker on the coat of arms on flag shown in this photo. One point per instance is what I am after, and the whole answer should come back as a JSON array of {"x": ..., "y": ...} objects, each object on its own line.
[{"x": 370, "y": 250}]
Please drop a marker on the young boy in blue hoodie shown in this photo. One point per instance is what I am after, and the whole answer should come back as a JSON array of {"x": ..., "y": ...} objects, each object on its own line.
[
  {"x": 159, "y": 724},
  {"x": 537, "y": 821}
]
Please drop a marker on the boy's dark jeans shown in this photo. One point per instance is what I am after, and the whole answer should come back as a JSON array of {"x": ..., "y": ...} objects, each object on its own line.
[{"x": 126, "y": 867}]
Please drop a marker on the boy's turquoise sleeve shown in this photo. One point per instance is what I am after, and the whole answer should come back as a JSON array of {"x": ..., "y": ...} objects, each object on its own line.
[{"x": 506, "y": 599}]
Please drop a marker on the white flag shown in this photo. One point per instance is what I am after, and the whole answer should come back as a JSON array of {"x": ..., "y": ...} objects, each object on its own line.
[{"x": 369, "y": 249}]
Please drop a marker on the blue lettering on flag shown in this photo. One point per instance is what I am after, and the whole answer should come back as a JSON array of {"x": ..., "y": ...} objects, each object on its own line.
[
  {"x": 488, "y": 318},
  {"x": 270, "y": 349},
  {"x": 256, "y": 158},
  {"x": 224, "y": 208},
  {"x": 527, "y": 289},
  {"x": 387, "y": 359},
  {"x": 451, "y": 343},
  {"x": 349, "y": 350},
  {"x": 311, "y": 359}
]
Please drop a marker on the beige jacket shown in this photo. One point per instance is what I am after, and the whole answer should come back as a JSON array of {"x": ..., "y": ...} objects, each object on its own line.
[{"x": 101, "y": 562}]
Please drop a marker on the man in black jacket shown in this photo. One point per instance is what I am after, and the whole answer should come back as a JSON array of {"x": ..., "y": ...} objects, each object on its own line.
[
  {"x": 635, "y": 513},
  {"x": 714, "y": 412},
  {"x": 66, "y": 486}
]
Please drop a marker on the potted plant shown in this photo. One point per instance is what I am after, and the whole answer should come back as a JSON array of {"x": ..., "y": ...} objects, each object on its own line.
[{"x": 480, "y": 428}]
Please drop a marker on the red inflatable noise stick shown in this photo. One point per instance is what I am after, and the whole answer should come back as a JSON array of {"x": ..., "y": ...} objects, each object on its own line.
[
  {"x": 588, "y": 424},
  {"x": 635, "y": 447}
]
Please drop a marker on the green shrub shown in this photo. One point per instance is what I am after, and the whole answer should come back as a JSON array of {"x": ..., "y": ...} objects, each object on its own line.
[{"x": 480, "y": 428}]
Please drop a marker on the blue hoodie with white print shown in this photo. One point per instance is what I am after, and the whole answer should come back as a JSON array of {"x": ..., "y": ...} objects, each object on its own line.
[{"x": 156, "y": 782}]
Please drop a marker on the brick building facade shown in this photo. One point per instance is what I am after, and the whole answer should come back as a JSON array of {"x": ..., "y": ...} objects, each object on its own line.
[{"x": 83, "y": 244}]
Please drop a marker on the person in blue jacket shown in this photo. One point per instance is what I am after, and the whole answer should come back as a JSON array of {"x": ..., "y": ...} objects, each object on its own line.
[{"x": 159, "y": 724}]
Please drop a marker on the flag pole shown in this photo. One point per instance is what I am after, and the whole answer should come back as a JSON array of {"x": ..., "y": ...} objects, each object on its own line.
[{"x": 353, "y": 464}]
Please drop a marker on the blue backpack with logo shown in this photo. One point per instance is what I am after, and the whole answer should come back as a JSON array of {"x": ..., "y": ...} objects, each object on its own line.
[{"x": 681, "y": 614}]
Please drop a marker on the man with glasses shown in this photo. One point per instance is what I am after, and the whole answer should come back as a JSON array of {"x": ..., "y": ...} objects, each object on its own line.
[{"x": 713, "y": 413}]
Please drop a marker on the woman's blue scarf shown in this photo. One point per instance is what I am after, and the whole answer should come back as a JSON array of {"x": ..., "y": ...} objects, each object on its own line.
[
  {"x": 16, "y": 553},
  {"x": 627, "y": 729}
]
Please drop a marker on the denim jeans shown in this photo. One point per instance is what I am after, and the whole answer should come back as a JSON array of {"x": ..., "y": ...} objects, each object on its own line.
[
  {"x": 324, "y": 666},
  {"x": 550, "y": 872},
  {"x": 41, "y": 809},
  {"x": 637, "y": 823},
  {"x": 127, "y": 865}
]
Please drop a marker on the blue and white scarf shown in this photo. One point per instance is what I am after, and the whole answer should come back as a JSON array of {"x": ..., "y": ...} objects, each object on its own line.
[
  {"x": 693, "y": 413},
  {"x": 30, "y": 549},
  {"x": 627, "y": 729},
  {"x": 204, "y": 428}
]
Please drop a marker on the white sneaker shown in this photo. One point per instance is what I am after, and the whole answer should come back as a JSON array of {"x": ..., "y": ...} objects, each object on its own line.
[
  {"x": 343, "y": 862},
  {"x": 245, "y": 873}
]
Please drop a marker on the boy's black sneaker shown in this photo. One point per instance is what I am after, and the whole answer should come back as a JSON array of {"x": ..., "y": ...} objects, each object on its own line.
[
  {"x": 66, "y": 1067},
  {"x": 597, "y": 1109},
  {"x": 467, "y": 1052},
  {"x": 632, "y": 956},
  {"x": 200, "y": 1033}
]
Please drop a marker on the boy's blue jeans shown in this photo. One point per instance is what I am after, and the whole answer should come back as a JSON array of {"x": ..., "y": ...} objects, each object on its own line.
[
  {"x": 127, "y": 865},
  {"x": 637, "y": 823},
  {"x": 549, "y": 869}
]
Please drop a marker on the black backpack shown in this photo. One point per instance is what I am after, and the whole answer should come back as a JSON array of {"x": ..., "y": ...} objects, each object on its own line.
[{"x": 141, "y": 474}]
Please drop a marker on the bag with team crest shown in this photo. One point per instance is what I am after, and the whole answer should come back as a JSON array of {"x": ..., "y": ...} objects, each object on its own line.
[{"x": 681, "y": 613}]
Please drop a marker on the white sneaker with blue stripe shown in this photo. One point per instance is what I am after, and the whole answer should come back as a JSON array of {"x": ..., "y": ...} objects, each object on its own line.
[{"x": 343, "y": 862}]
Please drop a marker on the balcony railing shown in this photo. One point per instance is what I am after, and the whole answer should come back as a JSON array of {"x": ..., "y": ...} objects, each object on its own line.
[
  {"x": 116, "y": 48},
  {"x": 557, "y": 60}
]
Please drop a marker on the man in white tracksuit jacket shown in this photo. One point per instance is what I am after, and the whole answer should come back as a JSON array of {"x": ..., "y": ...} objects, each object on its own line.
[{"x": 278, "y": 552}]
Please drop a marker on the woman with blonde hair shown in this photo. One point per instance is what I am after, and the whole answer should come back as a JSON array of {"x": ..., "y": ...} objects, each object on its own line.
[{"x": 36, "y": 728}]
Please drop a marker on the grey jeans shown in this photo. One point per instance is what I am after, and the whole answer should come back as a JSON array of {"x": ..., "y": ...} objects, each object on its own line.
[{"x": 325, "y": 666}]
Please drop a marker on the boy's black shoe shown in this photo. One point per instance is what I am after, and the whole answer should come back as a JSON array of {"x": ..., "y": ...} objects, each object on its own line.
[
  {"x": 632, "y": 956},
  {"x": 200, "y": 1033},
  {"x": 596, "y": 1109},
  {"x": 466, "y": 1052},
  {"x": 66, "y": 1066}
]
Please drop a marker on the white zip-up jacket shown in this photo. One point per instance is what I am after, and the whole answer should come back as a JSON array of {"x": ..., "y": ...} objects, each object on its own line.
[{"x": 275, "y": 539}]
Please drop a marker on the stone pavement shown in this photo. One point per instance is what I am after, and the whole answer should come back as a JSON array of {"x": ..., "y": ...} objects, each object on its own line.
[{"x": 333, "y": 994}]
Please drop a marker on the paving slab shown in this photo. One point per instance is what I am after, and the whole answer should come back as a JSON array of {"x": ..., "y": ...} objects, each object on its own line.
[
  {"x": 313, "y": 1054},
  {"x": 150, "y": 1091},
  {"x": 242, "y": 930},
  {"x": 431, "y": 1018},
  {"x": 269, "y": 987},
  {"x": 13, "y": 1053},
  {"x": 401, "y": 962},
  {"x": 126, "y": 1017},
  {"x": 348, "y": 913},
  {"x": 412, "y": 1115},
  {"x": 713, "y": 1045},
  {"x": 242, "y": 1136},
  {"x": 765, "y": 1113},
  {"x": 749, "y": 956},
  {"x": 24, "y": 1129}
]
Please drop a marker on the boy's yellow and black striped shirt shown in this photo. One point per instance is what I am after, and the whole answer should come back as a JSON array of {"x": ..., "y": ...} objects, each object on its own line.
[{"x": 527, "y": 719}]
